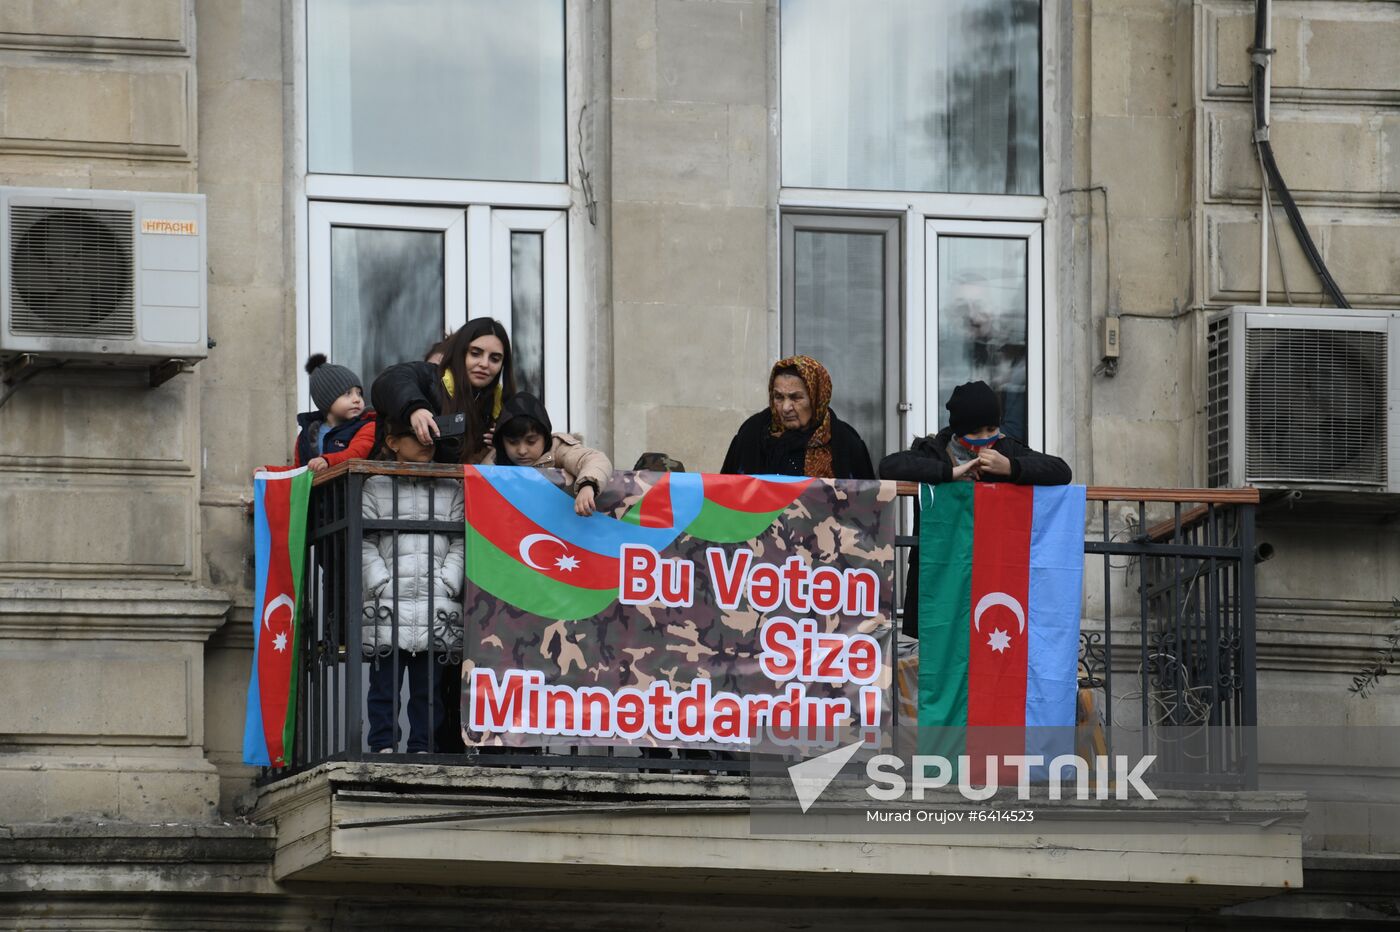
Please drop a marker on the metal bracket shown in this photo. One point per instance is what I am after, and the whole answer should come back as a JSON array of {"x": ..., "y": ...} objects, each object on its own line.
[
  {"x": 16, "y": 367},
  {"x": 163, "y": 372}
]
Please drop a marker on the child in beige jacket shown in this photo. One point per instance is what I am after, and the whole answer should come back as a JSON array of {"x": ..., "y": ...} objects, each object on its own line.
[{"x": 523, "y": 437}]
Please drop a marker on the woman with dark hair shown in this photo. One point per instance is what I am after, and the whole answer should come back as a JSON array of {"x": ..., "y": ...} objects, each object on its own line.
[
  {"x": 798, "y": 434},
  {"x": 474, "y": 378}
]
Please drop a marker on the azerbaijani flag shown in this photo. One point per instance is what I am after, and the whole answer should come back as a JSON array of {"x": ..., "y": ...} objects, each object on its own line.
[
  {"x": 739, "y": 508},
  {"x": 526, "y": 546},
  {"x": 279, "y": 544},
  {"x": 1001, "y": 577}
]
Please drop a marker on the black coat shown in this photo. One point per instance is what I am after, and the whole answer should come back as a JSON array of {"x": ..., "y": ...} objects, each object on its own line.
[
  {"x": 927, "y": 461},
  {"x": 406, "y": 387},
  {"x": 754, "y": 452}
]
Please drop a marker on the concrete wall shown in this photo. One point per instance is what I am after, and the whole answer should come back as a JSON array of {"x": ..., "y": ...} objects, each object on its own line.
[
  {"x": 247, "y": 384},
  {"x": 1325, "y": 598},
  {"x": 104, "y": 602},
  {"x": 124, "y": 549},
  {"x": 694, "y": 176}
]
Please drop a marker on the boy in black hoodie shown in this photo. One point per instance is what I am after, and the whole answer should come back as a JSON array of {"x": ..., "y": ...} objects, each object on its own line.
[
  {"x": 524, "y": 437},
  {"x": 971, "y": 448}
]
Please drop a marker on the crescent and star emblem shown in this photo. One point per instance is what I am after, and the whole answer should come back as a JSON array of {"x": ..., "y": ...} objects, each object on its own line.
[
  {"x": 565, "y": 562},
  {"x": 279, "y": 641},
  {"x": 282, "y": 601},
  {"x": 998, "y": 640}
]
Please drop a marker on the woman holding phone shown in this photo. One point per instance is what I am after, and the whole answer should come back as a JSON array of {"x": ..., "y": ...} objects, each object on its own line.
[{"x": 453, "y": 404}]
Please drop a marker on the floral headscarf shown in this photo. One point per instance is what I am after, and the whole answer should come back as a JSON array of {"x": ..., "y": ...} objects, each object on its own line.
[{"x": 818, "y": 382}]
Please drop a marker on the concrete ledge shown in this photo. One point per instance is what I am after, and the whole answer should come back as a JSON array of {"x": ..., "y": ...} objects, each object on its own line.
[
  {"x": 121, "y": 857},
  {"x": 692, "y": 834},
  {"x": 130, "y": 787},
  {"x": 166, "y": 611}
]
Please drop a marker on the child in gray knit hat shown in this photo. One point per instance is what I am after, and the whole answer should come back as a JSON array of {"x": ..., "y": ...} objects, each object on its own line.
[{"x": 340, "y": 428}]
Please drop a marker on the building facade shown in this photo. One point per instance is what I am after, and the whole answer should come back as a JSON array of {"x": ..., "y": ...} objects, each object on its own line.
[{"x": 661, "y": 197}]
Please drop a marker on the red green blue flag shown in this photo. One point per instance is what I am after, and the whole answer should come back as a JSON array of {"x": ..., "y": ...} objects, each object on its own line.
[
  {"x": 526, "y": 546},
  {"x": 279, "y": 544},
  {"x": 1001, "y": 578}
]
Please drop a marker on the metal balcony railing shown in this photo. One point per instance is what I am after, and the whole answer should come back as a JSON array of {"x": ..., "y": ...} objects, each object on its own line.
[{"x": 1166, "y": 665}]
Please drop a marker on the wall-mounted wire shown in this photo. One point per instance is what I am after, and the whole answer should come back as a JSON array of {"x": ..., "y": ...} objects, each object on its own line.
[
  {"x": 1259, "y": 54},
  {"x": 585, "y": 177}
]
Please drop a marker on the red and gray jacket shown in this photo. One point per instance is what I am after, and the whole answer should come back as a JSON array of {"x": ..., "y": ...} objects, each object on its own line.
[{"x": 349, "y": 441}]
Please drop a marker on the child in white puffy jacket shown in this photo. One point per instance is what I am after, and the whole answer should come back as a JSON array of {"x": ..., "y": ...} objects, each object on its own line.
[{"x": 412, "y": 592}]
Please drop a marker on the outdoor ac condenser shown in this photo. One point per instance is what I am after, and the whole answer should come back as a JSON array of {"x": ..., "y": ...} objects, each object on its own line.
[
  {"x": 1303, "y": 398},
  {"x": 114, "y": 276}
]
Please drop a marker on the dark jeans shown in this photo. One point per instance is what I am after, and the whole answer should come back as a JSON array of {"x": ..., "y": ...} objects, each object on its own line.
[{"x": 424, "y": 709}]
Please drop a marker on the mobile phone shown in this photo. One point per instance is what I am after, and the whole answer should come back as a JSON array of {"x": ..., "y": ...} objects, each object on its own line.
[{"x": 451, "y": 425}]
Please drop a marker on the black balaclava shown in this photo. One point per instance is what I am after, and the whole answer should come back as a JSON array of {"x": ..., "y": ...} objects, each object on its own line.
[{"x": 972, "y": 406}]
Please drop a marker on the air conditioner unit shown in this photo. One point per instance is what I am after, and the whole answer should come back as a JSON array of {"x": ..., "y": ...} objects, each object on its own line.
[
  {"x": 1301, "y": 398},
  {"x": 112, "y": 276}
]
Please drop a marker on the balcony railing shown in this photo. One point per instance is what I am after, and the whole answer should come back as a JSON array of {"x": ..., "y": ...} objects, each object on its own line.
[{"x": 1166, "y": 645}]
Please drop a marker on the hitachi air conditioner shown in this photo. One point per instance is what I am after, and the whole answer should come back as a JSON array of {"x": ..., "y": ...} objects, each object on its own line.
[
  {"x": 1300, "y": 398},
  {"x": 113, "y": 276}
]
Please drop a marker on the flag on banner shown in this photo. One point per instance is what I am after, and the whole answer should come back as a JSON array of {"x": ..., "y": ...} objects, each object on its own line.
[
  {"x": 728, "y": 631},
  {"x": 525, "y": 544},
  {"x": 1001, "y": 577},
  {"x": 279, "y": 545},
  {"x": 739, "y": 508}
]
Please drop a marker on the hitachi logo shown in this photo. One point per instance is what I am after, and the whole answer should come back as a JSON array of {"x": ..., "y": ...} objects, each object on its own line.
[{"x": 170, "y": 227}]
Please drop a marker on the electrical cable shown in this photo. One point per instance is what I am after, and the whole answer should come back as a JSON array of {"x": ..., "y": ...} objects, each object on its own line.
[
  {"x": 1273, "y": 226},
  {"x": 1258, "y": 57},
  {"x": 1107, "y": 243},
  {"x": 1278, "y": 250}
]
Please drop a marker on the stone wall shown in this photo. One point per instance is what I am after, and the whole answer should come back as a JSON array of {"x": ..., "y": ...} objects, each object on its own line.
[
  {"x": 104, "y": 601},
  {"x": 248, "y": 382},
  {"x": 124, "y": 546},
  {"x": 1325, "y": 597},
  {"x": 693, "y": 252}
]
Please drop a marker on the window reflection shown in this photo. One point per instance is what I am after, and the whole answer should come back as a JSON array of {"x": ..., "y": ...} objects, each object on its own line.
[
  {"x": 469, "y": 89},
  {"x": 912, "y": 95},
  {"x": 982, "y": 319},
  {"x": 839, "y": 299},
  {"x": 386, "y": 297},
  {"x": 527, "y": 311}
]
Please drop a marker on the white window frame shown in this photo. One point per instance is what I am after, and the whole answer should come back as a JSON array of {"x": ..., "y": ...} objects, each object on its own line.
[
  {"x": 922, "y": 208},
  {"x": 323, "y": 216},
  {"x": 1035, "y": 310},
  {"x": 889, "y": 228},
  {"x": 314, "y": 195},
  {"x": 556, "y": 283}
]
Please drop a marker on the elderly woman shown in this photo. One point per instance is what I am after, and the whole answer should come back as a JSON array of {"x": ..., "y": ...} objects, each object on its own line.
[{"x": 798, "y": 434}]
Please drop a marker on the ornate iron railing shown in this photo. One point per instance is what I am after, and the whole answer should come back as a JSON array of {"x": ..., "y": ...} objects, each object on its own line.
[{"x": 1166, "y": 646}]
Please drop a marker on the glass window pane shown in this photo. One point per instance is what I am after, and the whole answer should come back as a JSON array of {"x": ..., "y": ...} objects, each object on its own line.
[
  {"x": 527, "y": 311},
  {"x": 839, "y": 309},
  {"x": 436, "y": 88},
  {"x": 912, "y": 95},
  {"x": 982, "y": 317},
  {"x": 386, "y": 297}
]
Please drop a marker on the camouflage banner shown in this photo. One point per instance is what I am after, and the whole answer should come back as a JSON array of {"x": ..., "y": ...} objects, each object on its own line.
[{"x": 691, "y": 610}]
